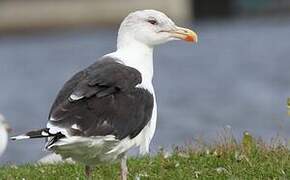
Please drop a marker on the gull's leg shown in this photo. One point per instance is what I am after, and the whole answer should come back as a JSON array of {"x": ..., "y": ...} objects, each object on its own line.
[
  {"x": 124, "y": 168},
  {"x": 88, "y": 172}
]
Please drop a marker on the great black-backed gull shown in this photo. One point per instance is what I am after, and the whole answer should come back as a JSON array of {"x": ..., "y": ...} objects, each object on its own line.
[
  {"x": 110, "y": 107},
  {"x": 4, "y": 129}
]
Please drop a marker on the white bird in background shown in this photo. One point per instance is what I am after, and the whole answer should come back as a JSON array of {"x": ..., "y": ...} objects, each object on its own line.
[
  {"x": 4, "y": 129},
  {"x": 110, "y": 107}
]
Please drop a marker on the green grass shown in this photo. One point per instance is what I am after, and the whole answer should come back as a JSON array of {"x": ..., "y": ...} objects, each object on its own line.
[{"x": 228, "y": 159}]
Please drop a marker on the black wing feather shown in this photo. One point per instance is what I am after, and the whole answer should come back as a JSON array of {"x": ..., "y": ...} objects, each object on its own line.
[
  {"x": 108, "y": 104},
  {"x": 106, "y": 77}
]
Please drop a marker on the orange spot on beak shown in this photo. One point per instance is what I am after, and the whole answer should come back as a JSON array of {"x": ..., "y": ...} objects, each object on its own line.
[
  {"x": 189, "y": 38},
  {"x": 185, "y": 34}
]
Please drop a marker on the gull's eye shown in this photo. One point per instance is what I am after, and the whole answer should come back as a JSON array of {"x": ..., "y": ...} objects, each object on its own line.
[{"x": 152, "y": 21}]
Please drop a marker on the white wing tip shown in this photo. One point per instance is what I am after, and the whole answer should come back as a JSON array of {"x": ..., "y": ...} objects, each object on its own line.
[
  {"x": 74, "y": 97},
  {"x": 51, "y": 119},
  {"x": 20, "y": 137},
  {"x": 43, "y": 133},
  {"x": 75, "y": 126}
]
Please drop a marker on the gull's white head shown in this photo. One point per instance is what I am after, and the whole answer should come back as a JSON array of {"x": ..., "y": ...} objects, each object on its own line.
[{"x": 151, "y": 27}]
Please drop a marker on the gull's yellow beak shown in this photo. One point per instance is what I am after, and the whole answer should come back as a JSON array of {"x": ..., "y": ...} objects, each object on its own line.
[{"x": 184, "y": 34}]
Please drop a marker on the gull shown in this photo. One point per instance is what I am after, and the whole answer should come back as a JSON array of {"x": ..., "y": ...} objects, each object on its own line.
[{"x": 110, "y": 107}]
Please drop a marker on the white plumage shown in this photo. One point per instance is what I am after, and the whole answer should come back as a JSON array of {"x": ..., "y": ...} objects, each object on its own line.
[{"x": 4, "y": 128}]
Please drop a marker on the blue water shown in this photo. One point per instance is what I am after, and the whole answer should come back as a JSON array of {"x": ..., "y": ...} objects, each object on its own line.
[{"x": 237, "y": 75}]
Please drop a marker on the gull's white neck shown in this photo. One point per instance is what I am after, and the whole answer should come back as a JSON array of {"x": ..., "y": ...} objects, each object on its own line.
[{"x": 137, "y": 55}]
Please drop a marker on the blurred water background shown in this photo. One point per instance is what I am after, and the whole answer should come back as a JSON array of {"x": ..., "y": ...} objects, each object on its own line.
[{"x": 237, "y": 77}]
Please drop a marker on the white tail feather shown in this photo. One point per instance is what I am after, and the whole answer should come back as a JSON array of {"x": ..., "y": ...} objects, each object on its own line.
[{"x": 20, "y": 137}]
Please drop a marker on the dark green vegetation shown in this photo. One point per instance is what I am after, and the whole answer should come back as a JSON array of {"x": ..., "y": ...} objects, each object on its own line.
[{"x": 228, "y": 159}]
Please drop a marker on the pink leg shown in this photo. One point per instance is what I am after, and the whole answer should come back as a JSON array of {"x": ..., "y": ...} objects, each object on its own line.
[{"x": 124, "y": 168}]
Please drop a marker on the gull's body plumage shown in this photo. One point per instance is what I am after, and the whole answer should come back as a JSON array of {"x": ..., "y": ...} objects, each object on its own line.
[{"x": 110, "y": 107}]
